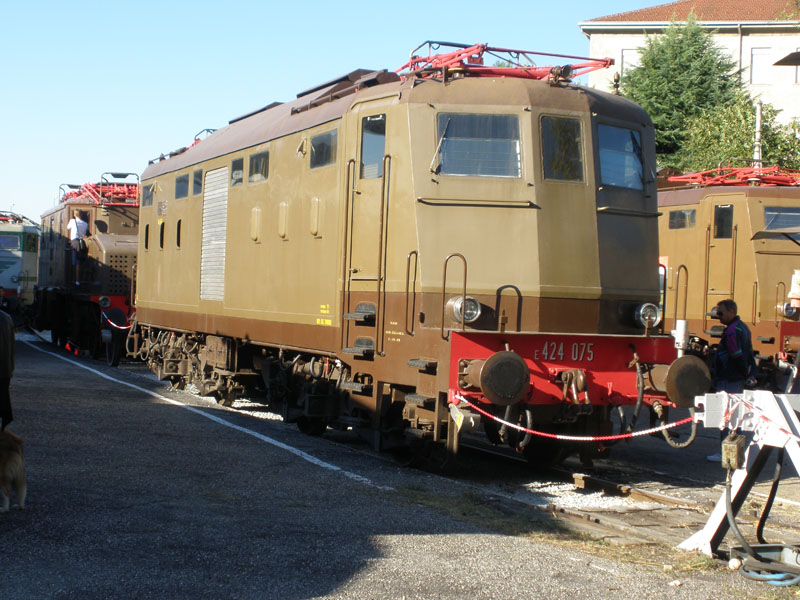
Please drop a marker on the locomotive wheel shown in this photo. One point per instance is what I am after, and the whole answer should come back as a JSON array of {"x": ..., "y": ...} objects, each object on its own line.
[
  {"x": 544, "y": 454},
  {"x": 312, "y": 425},
  {"x": 114, "y": 351}
]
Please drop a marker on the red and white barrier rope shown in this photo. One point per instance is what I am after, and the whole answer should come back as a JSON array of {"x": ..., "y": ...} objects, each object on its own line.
[
  {"x": 114, "y": 325},
  {"x": 573, "y": 438}
]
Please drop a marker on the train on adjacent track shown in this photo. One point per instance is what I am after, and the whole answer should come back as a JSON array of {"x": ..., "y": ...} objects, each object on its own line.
[
  {"x": 84, "y": 296},
  {"x": 734, "y": 232},
  {"x": 413, "y": 254},
  {"x": 19, "y": 251}
]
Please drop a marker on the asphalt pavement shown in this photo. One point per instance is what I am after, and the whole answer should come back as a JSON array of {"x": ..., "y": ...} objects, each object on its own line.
[{"x": 137, "y": 491}]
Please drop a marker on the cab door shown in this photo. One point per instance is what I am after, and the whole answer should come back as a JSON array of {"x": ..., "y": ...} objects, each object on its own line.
[
  {"x": 364, "y": 255},
  {"x": 722, "y": 233}
]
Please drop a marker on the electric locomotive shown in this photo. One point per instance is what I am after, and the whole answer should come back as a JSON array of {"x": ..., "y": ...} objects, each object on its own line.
[
  {"x": 84, "y": 293},
  {"x": 414, "y": 253},
  {"x": 19, "y": 251},
  {"x": 734, "y": 232}
]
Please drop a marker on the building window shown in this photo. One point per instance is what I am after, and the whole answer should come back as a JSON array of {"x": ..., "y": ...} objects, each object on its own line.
[
  {"x": 630, "y": 60},
  {"x": 682, "y": 219},
  {"x": 478, "y": 145},
  {"x": 562, "y": 149},
  {"x": 760, "y": 66},
  {"x": 723, "y": 221},
  {"x": 182, "y": 186},
  {"x": 147, "y": 195},
  {"x": 197, "y": 185},
  {"x": 259, "y": 167},
  {"x": 237, "y": 172},
  {"x": 373, "y": 146},
  {"x": 620, "y": 157},
  {"x": 323, "y": 149}
]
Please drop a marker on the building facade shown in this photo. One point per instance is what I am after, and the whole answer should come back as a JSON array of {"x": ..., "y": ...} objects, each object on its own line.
[{"x": 756, "y": 35}]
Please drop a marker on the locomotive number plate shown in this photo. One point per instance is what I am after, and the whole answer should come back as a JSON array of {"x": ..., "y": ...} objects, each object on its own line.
[{"x": 558, "y": 351}]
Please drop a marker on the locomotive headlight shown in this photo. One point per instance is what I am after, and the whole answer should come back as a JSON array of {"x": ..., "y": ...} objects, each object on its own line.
[
  {"x": 468, "y": 306},
  {"x": 648, "y": 315}
]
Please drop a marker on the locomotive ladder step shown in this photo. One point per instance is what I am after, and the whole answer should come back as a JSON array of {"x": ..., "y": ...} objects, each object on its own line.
[
  {"x": 363, "y": 347},
  {"x": 354, "y": 386},
  {"x": 418, "y": 399},
  {"x": 767, "y": 340},
  {"x": 364, "y": 312},
  {"x": 423, "y": 364}
]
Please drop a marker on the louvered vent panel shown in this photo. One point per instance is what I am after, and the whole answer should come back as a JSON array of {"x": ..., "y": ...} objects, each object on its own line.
[{"x": 215, "y": 220}]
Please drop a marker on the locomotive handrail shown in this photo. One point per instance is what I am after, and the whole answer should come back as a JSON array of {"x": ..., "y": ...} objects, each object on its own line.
[
  {"x": 408, "y": 272},
  {"x": 347, "y": 248},
  {"x": 463, "y": 292},
  {"x": 733, "y": 257},
  {"x": 779, "y": 300},
  {"x": 381, "y": 305},
  {"x": 685, "y": 269},
  {"x": 705, "y": 279},
  {"x": 755, "y": 301}
]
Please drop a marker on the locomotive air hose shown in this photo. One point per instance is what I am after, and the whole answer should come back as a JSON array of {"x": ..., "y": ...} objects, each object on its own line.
[{"x": 688, "y": 441}]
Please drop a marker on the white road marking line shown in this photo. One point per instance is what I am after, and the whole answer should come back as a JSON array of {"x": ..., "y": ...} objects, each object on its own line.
[{"x": 299, "y": 453}]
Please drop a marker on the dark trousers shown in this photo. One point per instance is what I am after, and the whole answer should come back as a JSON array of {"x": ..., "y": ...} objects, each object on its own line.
[{"x": 6, "y": 415}]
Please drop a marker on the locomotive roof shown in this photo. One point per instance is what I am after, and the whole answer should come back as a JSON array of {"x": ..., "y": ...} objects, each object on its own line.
[
  {"x": 330, "y": 101},
  {"x": 694, "y": 195}
]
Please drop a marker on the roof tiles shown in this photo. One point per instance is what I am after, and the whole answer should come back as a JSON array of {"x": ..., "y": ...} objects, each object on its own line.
[{"x": 711, "y": 10}]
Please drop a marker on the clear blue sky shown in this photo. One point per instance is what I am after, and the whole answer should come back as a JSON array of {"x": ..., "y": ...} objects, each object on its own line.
[{"x": 90, "y": 87}]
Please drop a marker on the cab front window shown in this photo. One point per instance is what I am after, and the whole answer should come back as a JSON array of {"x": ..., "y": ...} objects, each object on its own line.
[
  {"x": 620, "y": 157},
  {"x": 478, "y": 145}
]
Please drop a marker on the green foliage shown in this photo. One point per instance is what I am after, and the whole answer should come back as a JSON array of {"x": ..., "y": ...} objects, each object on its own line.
[
  {"x": 681, "y": 74},
  {"x": 718, "y": 134}
]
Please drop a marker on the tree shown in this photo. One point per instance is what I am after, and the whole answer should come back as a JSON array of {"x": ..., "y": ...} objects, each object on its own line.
[
  {"x": 681, "y": 74},
  {"x": 718, "y": 134}
]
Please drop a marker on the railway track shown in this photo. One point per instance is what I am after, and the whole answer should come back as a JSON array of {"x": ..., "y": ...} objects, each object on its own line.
[{"x": 618, "y": 501}]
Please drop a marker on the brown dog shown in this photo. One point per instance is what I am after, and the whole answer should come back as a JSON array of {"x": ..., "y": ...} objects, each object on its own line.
[{"x": 12, "y": 470}]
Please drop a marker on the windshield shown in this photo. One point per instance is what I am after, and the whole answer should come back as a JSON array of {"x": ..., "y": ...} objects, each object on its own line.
[
  {"x": 620, "y": 157},
  {"x": 782, "y": 217},
  {"x": 478, "y": 145}
]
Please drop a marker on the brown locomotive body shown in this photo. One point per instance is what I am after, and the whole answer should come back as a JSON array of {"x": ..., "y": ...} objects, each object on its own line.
[
  {"x": 727, "y": 241},
  {"x": 382, "y": 248},
  {"x": 88, "y": 307}
]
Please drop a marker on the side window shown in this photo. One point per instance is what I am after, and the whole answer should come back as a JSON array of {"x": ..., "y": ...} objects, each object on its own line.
[
  {"x": 562, "y": 149},
  {"x": 237, "y": 172},
  {"x": 259, "y": 167},
  {"x": 620, "y": 157},
  {"x": 723, "y": 221},
  {"x": 182, "y": 186},
  {"x": 682, "y": 219},
  {"x": 323, "y": 149},
  {"x": 197, "y": 185},
  {"x": 147, "y": 195},
  {"x": 373, "y": 146},
  {"x": 479, "y": 145}
]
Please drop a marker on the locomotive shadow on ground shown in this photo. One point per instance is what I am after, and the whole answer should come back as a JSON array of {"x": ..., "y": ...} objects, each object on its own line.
[{"x": 133, "y": 497}]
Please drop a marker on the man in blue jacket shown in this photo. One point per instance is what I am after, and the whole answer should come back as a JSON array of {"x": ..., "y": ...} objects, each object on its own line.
[{"x": 734, "y": 362}]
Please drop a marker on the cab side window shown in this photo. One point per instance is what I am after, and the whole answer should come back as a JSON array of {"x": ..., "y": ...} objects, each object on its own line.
[
  {"x": 562, "y": 149},
  {"x": 373, "y": 146}
]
